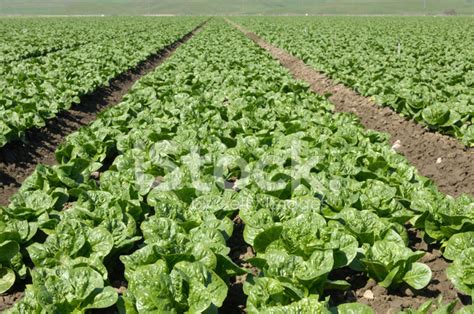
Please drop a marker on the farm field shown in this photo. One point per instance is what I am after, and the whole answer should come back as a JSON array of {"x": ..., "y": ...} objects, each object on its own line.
[
  {"x": 40, "y": 75},
  {"x": 421, "y": 67},
  {"x": 222, "y": 184}
]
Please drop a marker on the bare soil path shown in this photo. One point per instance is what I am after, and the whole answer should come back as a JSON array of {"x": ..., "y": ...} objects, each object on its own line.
[
  {"x": 19, "y": 159},
  {"x": 441, "y": 158}
]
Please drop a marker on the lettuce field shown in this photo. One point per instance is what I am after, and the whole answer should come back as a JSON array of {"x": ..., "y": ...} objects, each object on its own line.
[
  {"x": 44, "y": 72},
  {"x": 422, "y": 68},
  {"x": 219, "y": 181}
]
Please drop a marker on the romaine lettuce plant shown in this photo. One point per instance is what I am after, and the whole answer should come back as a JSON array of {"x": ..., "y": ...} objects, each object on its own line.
[
  {"x": 391, "y": 263},
  {"x": 460, "y": 249},
  {"x": 66, "y": 289}
]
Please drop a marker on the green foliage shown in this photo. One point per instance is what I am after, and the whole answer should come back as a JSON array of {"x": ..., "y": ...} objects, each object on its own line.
[
  {"x": 392, "y": 263},
  {"x": 217, "y": 130},
  {"x": 46, "y": 67},
  {"x": 66, "y": 289},
  {"x": 436, "y": 307},
  {"x": 13, "y": 233},
  {"x": 461, "y": 272},
  {"x": 419, "y": 66},
  {"x": 458, "y": 243}
]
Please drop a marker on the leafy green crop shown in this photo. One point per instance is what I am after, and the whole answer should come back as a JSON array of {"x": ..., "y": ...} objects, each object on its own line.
[
  {"x": 436, "y": 307},
  {"x": 461, "y": 272},
  {"x": 184, "y": 259},
  {"x": 66, "y": 289},
  {"x": 392, "y": 263},
  {"x": 34, "y": 37},
  {"x": 460, "y": 249},
  {"x": 219, "y": 130},
  {"x": 34, "y": 90},
  {"x": 8, "y": 249},
  {"x": 13, "y": 234},
  {"x": 422, "y": 67}
]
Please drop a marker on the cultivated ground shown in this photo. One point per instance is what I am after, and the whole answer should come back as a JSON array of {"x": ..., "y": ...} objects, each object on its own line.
[{"x": 441, "y": 158}]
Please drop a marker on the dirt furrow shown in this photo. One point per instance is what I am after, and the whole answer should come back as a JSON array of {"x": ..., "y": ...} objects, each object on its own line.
[
  {"x": 19, "y": 159},
  {"x": 441, "y": 158},
  {"x": 240, "y": 251},
  {"x": 39, "y": 54}
]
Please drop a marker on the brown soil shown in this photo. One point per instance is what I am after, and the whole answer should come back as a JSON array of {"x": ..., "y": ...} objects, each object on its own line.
[
  {"x": 15, "y": 294},
  {"x": 18, "y": 159},
  {"x": 7, "y": 300},
  {"x": 441, "y": 158},
  {"x": 240, "y": 252}
]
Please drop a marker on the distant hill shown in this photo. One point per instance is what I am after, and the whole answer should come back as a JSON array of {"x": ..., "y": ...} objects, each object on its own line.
[{"x": 216, "y": 7}]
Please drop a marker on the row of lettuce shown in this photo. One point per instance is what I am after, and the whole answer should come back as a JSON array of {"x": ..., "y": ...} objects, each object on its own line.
[
  {"x": 423, "y": 67},
  {"x": 35, "y": 89},
  {"x": 34, "y": 37},
  {"x": 219, "y": 130}
]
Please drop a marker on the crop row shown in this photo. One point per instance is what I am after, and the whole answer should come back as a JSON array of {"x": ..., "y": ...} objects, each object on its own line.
[
  {"x": 28, "y": 38},
  {"x": 34, "y": 37},
  {"x": 36, "y": 89},
  {"x": 221, "y": 129},
  {"x": 421, "y": 67}
]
